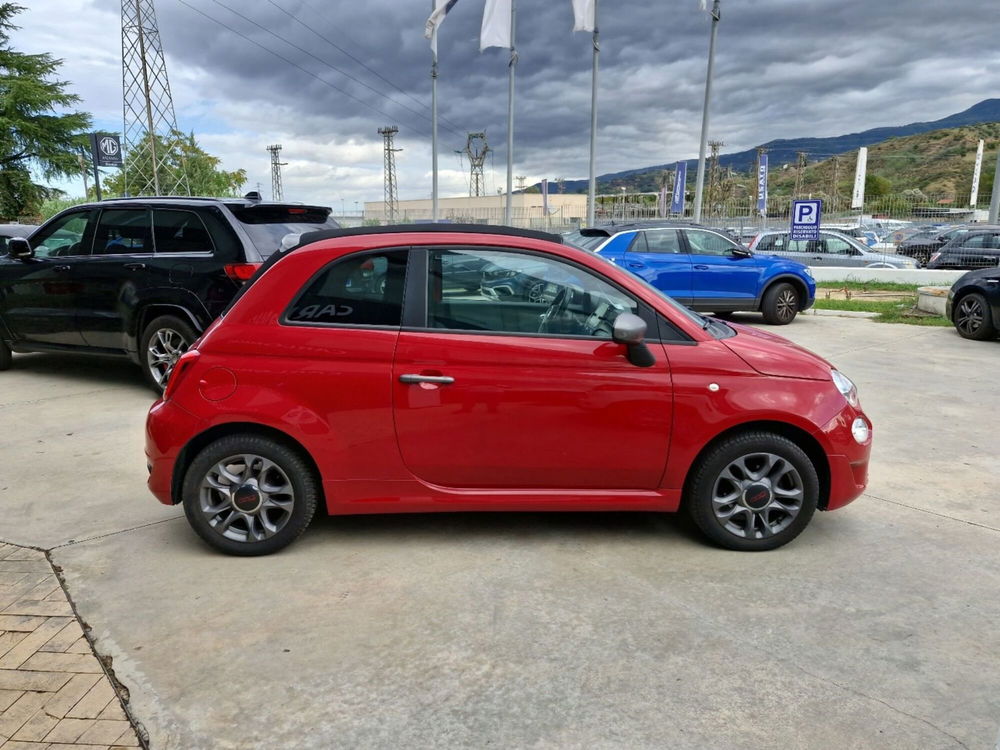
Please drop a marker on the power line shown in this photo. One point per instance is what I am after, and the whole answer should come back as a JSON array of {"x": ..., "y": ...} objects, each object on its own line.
[
  {"x": 321, "y": 61},
  {"x": 284, "y": 59},
  {"x": 356, "y": 59}
]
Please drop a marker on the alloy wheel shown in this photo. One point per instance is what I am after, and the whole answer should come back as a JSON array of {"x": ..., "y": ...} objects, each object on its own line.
[
  {"x": 246, "y": 498},
  {"x": 757, "y": 495},
  {"x": 165, "y": 347},
  {"x": 786, "y": 305},
  {"x": 970, "y": 316}
]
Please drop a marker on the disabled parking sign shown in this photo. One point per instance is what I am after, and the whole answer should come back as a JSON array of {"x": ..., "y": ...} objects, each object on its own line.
[{"x": 805, "y": 219}]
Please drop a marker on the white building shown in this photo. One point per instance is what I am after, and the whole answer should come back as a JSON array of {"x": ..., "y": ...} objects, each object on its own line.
[{"x": 565, "y": 210}]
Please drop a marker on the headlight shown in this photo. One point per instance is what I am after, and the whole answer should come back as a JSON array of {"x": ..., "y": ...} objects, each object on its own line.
[{"x": 846, "y": 386}]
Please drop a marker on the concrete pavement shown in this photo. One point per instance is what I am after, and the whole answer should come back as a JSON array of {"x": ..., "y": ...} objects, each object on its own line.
[{"x": 876, "y": 628}]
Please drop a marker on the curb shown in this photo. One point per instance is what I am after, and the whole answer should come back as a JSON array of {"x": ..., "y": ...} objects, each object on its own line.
[{"x": 840, "y": 313}]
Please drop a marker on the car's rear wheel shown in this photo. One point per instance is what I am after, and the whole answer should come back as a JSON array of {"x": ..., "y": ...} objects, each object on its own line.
[
  {"x": 973, "y": 318},
  {"x": 723, "y": 314},
  {"x": 249, "y": 495},
  {"x": 6, "y": 358},
  {"x": 753, "y": 492},
  {"x": 163, "y": 342},
  {"x": 780, "y": 305}
]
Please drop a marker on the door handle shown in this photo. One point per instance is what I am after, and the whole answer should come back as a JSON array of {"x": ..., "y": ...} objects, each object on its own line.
[
  {"x": 135, "y": 266},
  {"x": 60, "y": 269},
  {"x": 817, "y": 257},
  {"x": 700, "y": 268},
  {"x": 636, "y": 265},
  {"x": 439, "y": 379}
]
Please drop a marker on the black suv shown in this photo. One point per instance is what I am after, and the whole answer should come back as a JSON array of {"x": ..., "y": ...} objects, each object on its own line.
[
  {"x": 975, "y": 248},
  {"x": 138, "y": 277}
]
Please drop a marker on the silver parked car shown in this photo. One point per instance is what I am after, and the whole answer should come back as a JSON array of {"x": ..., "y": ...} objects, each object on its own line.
[{"x": 831, "y": 249}]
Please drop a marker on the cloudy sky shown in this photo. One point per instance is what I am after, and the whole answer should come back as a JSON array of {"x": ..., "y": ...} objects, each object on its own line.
[{"x": 784, "y": 68}]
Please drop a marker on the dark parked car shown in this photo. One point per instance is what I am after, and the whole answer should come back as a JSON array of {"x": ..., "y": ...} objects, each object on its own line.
[
  {"x": 975, "y": 248},
  {"x": 137, "y": 277},
  {"x": 974, "y": 304},
  {"x": 923, "y": 245}
]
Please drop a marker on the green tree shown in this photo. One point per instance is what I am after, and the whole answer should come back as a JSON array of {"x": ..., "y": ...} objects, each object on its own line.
[
  {"x": 182, "y": 154},
  {"x": 37, "y": 135},
  {"x": 876, "y": 186}
]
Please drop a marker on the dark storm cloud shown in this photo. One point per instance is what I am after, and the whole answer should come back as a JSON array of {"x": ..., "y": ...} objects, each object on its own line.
[{"x": 784, "y": 68}]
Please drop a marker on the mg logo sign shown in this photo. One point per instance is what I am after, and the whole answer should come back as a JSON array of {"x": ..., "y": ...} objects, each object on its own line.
[
  {"x": 106, "y": 150},
  {"x": 109, "y": 146}
]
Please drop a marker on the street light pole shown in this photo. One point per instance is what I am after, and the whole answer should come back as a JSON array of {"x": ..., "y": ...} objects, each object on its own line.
[
  {"x": 700, "y": 182},
  {"x": 995, "y": 199}
]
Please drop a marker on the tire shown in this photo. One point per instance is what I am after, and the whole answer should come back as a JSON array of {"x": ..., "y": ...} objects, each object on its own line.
[
  {"x": 781, "y": 304},
  {"x": 973, "y": 318},
  {"x": 719, "y": 504},
  {"x": 280, "y": 516},
  {"x": 6, "y": 358},
  {"x": 165, "y": 339},
  {"x": 724, "y": 315}
]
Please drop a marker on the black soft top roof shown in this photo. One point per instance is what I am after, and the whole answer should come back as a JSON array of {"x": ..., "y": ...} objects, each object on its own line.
[
  {"x": 327, "y": 234},
  {"x": 309, "y": 238}
]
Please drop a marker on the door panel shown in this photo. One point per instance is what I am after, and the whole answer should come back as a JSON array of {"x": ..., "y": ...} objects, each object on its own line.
[
  {"x": 40, "y": 296},
  {"x": 527, "y": 412},
  {"x": 717, "y": 274},
  {"x": 507, "y": 393},
  {"x": 658, "y": 257},
  {"x": 115, "y": 274}
]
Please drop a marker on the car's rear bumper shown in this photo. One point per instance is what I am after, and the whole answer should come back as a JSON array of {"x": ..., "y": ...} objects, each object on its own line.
[
  {"x": 848, "y": 459},
  {"x": 168, "y": 429}
]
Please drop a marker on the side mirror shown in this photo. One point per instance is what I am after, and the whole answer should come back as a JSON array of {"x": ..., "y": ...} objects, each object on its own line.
[
  {"x": 630, "y": 329},
  {"x": 741, "y": 252},
  {"x": 20, "y": 248}
]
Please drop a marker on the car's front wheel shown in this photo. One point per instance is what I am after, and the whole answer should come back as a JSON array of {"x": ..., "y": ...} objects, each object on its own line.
[
  {"x": 163, "y": 342},
  {"x": 973, "y": 318},
  {"x": 753, "y": 492},
  {"x": 780, "y": 305},
  {"x": 249, "y": 495}
]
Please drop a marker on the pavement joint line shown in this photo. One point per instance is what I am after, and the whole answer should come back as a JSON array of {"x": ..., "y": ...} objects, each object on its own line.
[
  {"x": 73, "y": 542},
  {"x": 31, "y": 401},
  {"x": 932, "y": 512},
  {"x": 715, "y": 620},
  {"x": 39, "y": 718}
]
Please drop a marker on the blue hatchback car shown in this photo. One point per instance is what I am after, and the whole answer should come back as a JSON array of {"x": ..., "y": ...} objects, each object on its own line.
[{"x": 704, "y": 269}]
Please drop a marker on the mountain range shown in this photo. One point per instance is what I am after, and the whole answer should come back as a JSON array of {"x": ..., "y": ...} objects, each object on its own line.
[{"x": 785, "y": 150}]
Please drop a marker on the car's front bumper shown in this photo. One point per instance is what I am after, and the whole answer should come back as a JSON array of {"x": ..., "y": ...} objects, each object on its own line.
[{"x": 848, "y": 459}]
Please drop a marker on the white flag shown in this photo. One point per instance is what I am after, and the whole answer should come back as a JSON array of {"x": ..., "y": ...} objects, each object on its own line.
[
  {"x": 704, "y": 4},
  {"x": 584, "y": 15},
  {"x": 441, "y": 8},
  {"x": 496, "y": 24}
]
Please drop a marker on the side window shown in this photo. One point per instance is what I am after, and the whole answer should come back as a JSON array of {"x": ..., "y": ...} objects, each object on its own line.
[
  {"x": 179, "y": 232},
  {"x": 768, "y": 244},
  {"x": 837, "y": 246},
  {"x": 123, "y": 231},
  {"x": 816, "y": 247},
  {"x": 69, "y": 235},
  {"x": 520, "y": 293},
  {"x": 638, "y": 244},
  {"x": 361, "y": 290},
  {"x": 709, "y": 243},
  {"x": 663, "y": 241},
  {"x": 976, "y": 240}
]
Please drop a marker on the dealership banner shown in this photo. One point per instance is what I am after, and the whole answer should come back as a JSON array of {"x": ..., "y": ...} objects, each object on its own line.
[
  {"x": 762, "y": 185},
  {"x": 680, "y": 181}
]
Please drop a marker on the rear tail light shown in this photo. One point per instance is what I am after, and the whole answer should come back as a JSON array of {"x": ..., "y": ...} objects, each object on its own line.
[
  {"x": 934, "y": 257},
  {"x": 241, "y": 272},
  {"x": 182, "y": 367}
]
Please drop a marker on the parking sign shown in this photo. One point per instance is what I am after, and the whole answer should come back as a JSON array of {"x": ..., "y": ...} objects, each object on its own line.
[{"x": 805, "y": 219}]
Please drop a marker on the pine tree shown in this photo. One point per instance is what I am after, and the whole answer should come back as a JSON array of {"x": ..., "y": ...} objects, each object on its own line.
[{"x": 37, "y": 134}]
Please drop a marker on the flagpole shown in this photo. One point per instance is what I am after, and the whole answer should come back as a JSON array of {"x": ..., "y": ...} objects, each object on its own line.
[
  {"x": 510, "y": 119},
  {"x": 592, "y": 189},
  {"x": 434, "y": 124},
  {"x": 700, "y": 182}
]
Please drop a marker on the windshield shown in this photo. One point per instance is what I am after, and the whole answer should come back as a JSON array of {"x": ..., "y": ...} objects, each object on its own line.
[
  {"x": 584, "y": 242},
  {"x": 268, "y": 225}
]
